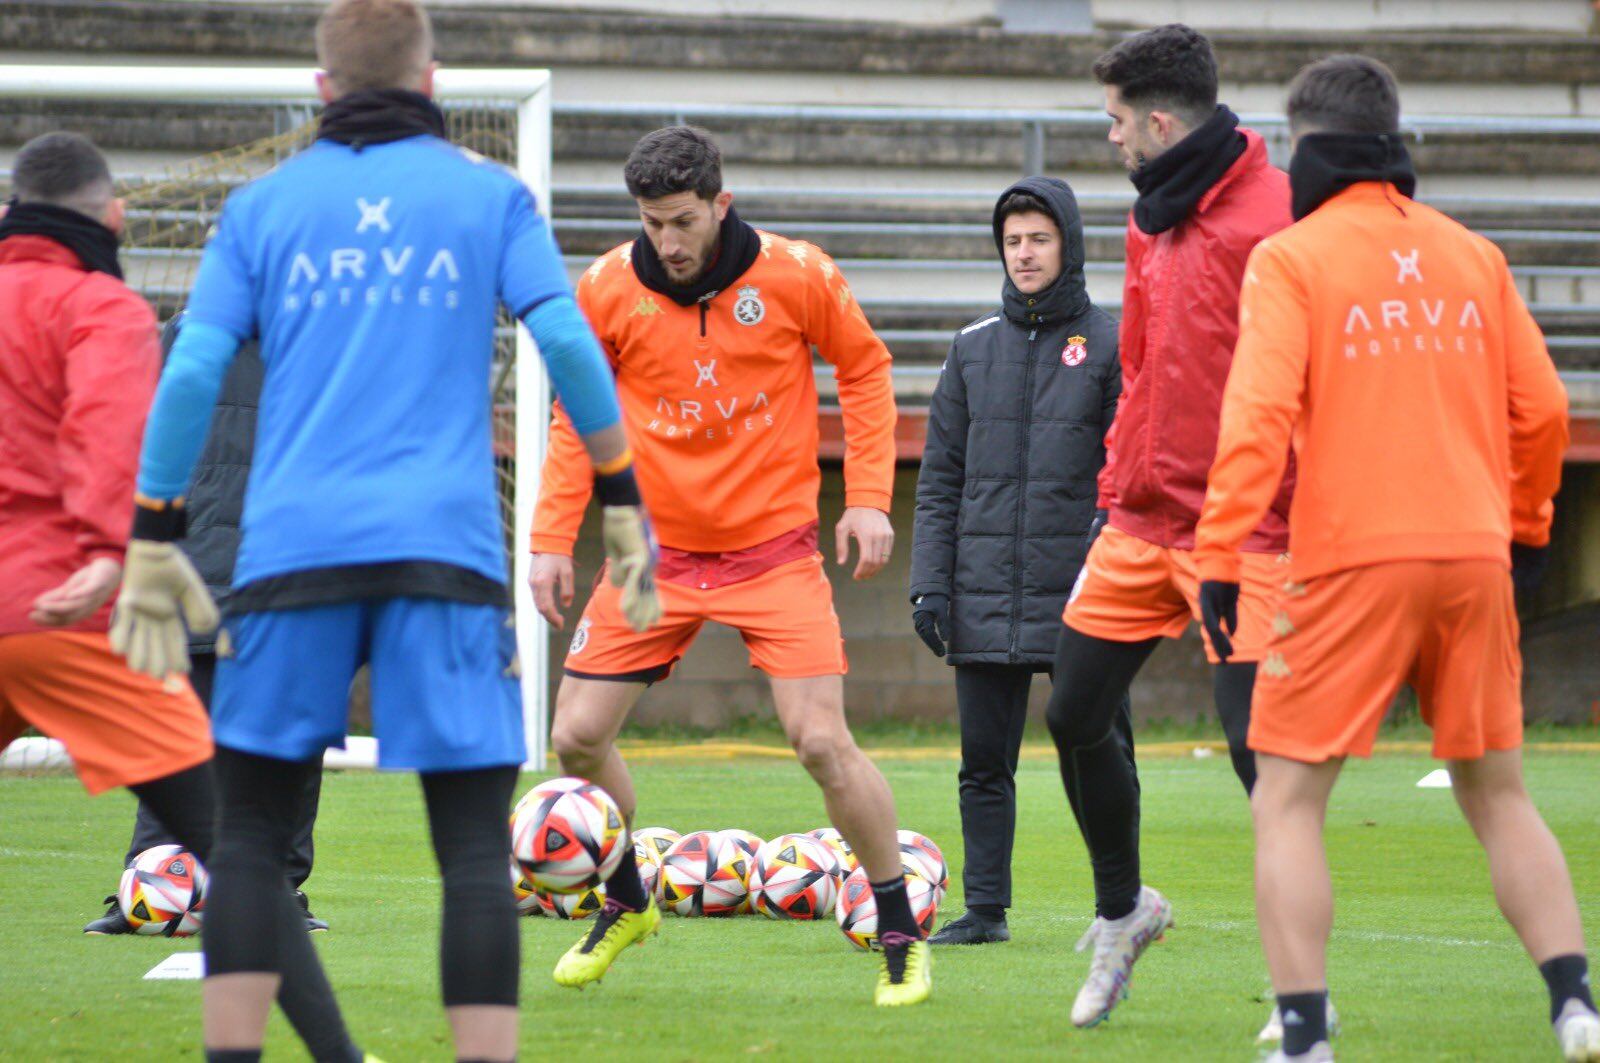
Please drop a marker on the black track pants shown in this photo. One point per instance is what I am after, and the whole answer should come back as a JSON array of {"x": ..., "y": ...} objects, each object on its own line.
[{"x": 992, "y": 701}]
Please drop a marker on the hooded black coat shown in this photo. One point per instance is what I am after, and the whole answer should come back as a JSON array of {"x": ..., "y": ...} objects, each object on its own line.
[{"x": 1016, "y": 439}]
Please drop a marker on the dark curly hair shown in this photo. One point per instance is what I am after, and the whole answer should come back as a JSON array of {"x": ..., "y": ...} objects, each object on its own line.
[
  {"x": 1345, "y": 94},
  {"x": 679, "y": 158},
  {"x": 1170, "y": 68}
]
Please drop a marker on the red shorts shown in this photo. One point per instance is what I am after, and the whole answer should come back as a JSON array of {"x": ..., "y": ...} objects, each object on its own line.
[
  {"x": 785, "y": 616},
  {"x": 1130, "y": 590},
  {"x": 119, "y": 727},
  {"x": 1346, "y": 641}
]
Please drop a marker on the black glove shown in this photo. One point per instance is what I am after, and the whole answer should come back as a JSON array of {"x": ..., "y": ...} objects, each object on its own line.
[
  {"x": 1095, "y": 525},
  {"x": 1528, "y": 565},
  {"x": 1219, "y": 612},
  {"x": 930, "y": 615}
]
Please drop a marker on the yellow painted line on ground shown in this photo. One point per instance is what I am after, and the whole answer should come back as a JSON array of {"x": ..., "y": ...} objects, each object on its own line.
[{"x": 719, "y": 750}]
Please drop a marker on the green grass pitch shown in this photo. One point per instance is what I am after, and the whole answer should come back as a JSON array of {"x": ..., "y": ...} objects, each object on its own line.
[{"x": 1422, "y": 966}]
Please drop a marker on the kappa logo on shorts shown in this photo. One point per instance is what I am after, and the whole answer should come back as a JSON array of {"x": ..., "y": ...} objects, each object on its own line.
[
  {"x": 580, "y": 637},
  {"x": 1075, "y": 351},
  {"x": 1282, "y": 626},
  {"x": 1276, "y": 666},
  {"x": 749, "y": 310}
]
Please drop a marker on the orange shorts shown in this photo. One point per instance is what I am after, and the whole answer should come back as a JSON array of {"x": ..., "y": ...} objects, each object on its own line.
[
  {"x": 785, "y": 616},
  {"x": 1346, "y": 641},
  {"x": 1130, "y": 590},
  {"x": 119, "y": 727}
]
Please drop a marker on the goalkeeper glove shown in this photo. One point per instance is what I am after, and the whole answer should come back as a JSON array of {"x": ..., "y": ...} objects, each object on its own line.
[
  {"x": 161, "y": 593},
  {"x": 631, "y": 563}
]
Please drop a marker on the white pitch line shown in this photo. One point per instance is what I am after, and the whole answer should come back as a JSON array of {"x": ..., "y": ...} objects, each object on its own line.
[{"x": 1359, "y": 935}]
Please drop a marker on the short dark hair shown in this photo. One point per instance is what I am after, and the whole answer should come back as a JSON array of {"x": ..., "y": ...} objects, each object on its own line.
[
  {"x": 1170, "y": 68},
  {"x": 679, "y": 158},
  {"x": 63, "y": 169},
  {"x": 1345, "y": 94},
  {"x": 1024, "y": 203}
]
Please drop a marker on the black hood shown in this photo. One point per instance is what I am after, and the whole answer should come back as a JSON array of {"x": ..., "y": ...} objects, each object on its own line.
[{"x": 1069, "y": 295}]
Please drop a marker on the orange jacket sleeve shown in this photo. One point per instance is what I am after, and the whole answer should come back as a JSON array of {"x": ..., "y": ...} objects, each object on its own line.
[
  {"x": 567, "y": 479},
  {"x": 861, "y": 364},
  {"x": 1262, "y": 401},
  {"x": 1538, "y": 415}
]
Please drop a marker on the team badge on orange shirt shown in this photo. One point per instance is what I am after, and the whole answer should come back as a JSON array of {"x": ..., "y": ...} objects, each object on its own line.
[
  {"x": 1075, "y": 351},
  {"x": 749, "y": 310}
]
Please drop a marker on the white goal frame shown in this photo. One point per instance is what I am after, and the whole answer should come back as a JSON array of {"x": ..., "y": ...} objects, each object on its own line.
[{"x": 529, "y": 91}]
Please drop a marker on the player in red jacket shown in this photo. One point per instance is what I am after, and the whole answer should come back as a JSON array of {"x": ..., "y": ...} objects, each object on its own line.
[{"x": 1207, "y": 195}]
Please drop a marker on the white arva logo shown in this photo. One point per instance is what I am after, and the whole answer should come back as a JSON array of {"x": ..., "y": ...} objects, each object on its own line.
[
  {"x": 332, "y": 280},
  {"x": 1408, "y": 265},
  {"x": 749, "y": 310},
  {"x": 373, "y": 214},
  {"x": 705, "y": 374}
]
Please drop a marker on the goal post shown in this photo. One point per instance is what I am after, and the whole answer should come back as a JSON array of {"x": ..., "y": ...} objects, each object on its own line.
[{"x": 178, "y": 200}]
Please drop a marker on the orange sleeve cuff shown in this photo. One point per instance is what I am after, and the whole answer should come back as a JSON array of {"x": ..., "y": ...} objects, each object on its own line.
[
  {"x": 1223, "y": 567},
  {"x": 551, "y": 544},
  {"x": 879, "y": 500}
]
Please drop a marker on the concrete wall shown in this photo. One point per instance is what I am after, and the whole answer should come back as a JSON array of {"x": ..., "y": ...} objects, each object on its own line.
[{"x": 1558, "y": 16}]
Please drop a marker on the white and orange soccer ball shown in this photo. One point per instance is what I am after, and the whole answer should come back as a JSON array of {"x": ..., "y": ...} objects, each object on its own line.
[
  {"x": 568, "y": 835},
  {"x": 526, "y": 893},
  {"x": 656, "y": 841},
  {"x": 844, "y": 856},
  {"x": 751, "y": 844},
  {"x": 649, "y": 872},
  {"x": 858, "y": 908},
  {"x": 579, "y": 905},
  {"x": 794, "y": 878},
  {"x": 920, "y": 849},
  {"x": 704, "y": 874},
  {"x": 164, "y": 892}
]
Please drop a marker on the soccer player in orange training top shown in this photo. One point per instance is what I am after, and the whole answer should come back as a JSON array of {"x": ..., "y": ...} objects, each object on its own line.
[
  {"x": 709, "y": 325},
  {"x": 1392, "y": 346}
]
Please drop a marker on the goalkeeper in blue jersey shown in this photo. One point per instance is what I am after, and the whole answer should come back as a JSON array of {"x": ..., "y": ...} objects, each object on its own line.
[{"x": 370, "y": 266}]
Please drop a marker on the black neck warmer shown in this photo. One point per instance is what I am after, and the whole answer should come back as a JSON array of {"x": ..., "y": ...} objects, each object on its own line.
[
  {"x": 93, "y": 243},
  {"x": 1172, "y": 183},
  {"x": 1067, "y": 296},
  {"x": 737, "y": 247},
  {"x": 377, "y": 116},
  {"x": 1325, "y": 164}
]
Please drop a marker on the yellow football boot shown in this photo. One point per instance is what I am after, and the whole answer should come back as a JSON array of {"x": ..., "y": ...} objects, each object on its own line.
[
  {"x": 907, "y": 975},
  {"x": 614, "y": 929}
]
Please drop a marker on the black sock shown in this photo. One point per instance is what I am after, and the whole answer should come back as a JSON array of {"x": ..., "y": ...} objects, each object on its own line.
[
  {"x": 1305, "y": 1020},
  {"x": 233, "y": 1055},
  {"x": 1568, "y": 979},
  {"x": 989, "y": 913},
  {"x": 625, "y": 886},
  {"x": 894, "y": 909}
]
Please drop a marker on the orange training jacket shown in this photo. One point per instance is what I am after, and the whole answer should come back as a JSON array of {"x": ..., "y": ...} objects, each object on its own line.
[
  {"x": 720, "y": 402},
  {"x": 1428, "y": 420}
]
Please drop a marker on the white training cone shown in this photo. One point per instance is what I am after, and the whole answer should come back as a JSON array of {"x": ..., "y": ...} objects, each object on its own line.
[{"x": 1437, "y": 779}]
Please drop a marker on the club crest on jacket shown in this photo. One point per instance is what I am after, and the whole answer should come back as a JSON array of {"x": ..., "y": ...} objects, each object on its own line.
[
  {"x": 749, "y": 310},
  {"x": 1075, "y": 351}
]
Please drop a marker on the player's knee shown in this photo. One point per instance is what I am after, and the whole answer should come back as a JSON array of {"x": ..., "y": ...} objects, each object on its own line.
[
  {"x": 582, "y": 748},
  {"x": 1072, "y": 723},
  {"x": 821, "y": 748}
]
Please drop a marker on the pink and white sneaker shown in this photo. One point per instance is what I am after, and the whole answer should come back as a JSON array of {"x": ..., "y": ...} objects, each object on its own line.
[{"x": 1118, "y": 944}]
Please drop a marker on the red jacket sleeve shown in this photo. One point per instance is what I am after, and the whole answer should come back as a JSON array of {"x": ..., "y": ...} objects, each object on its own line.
[
  {"x": 1130, "y": 354},
  {"x": 113, "y": 358},
  {"x": 862, "y": 366}
]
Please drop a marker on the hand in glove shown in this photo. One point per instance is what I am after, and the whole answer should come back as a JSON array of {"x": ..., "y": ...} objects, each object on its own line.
[
  {"x": 631, "y": 563},
  {"x": 163, "y": 599},
  {"x": 1219, "y": 612},
  {"x": 930, "y": 615}
]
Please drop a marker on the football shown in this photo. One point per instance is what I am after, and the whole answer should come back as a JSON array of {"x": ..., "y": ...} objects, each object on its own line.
[
  {"x": 526, "y": 893},
  {"x": 844, "y": 856},
  {"x": 751, "y": 844},
  {"x": 858, "y": 908},
  {"x": 656, "y": 841},
  {"x": 704, "y": 873},
  {"x": 164, "y": 892},
  {"x": 573, "y": 905},
  {"x": 568, "y": 835},
  {"x": 928, "y": 857},
  {"x": 793, "y": 877},
  {"x": 649, "y": 872}
]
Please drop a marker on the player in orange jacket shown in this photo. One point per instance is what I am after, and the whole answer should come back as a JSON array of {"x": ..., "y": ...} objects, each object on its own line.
[
  {"x": 710, "y": 326},
  {"x": 1428, "y": 421}
]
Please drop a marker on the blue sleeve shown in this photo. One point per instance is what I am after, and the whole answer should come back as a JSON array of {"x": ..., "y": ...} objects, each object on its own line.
[
  {"x": 181, "y": 413},
  {"x": 531, "y": 270},
  {"x": 578, "y": 368},
  {"x": 224, "y": 294}
]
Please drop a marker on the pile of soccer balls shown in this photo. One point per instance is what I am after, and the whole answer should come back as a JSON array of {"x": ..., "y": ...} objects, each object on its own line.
[{"x": 568, "y": 837}]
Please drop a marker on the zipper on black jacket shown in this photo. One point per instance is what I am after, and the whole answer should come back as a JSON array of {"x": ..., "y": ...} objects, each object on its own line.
[{"x": 1022, "y": 499}]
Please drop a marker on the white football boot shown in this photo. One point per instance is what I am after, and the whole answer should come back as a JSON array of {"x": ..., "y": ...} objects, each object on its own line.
[
  {"x": 1578, "y": 1030},
  {"x": 1321, "y": 1052},
  {"x": 1272, "y": 1032},
  {"x": 1118, "y": 943}
]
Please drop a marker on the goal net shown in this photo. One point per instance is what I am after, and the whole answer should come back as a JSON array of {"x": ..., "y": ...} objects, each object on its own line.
[{"x": 261, "y": 117}]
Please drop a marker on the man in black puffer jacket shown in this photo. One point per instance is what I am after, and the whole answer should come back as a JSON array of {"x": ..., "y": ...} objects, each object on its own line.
[
  {"x": 216, "y": 498},
  {"x": 1006, "y": 510}
]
